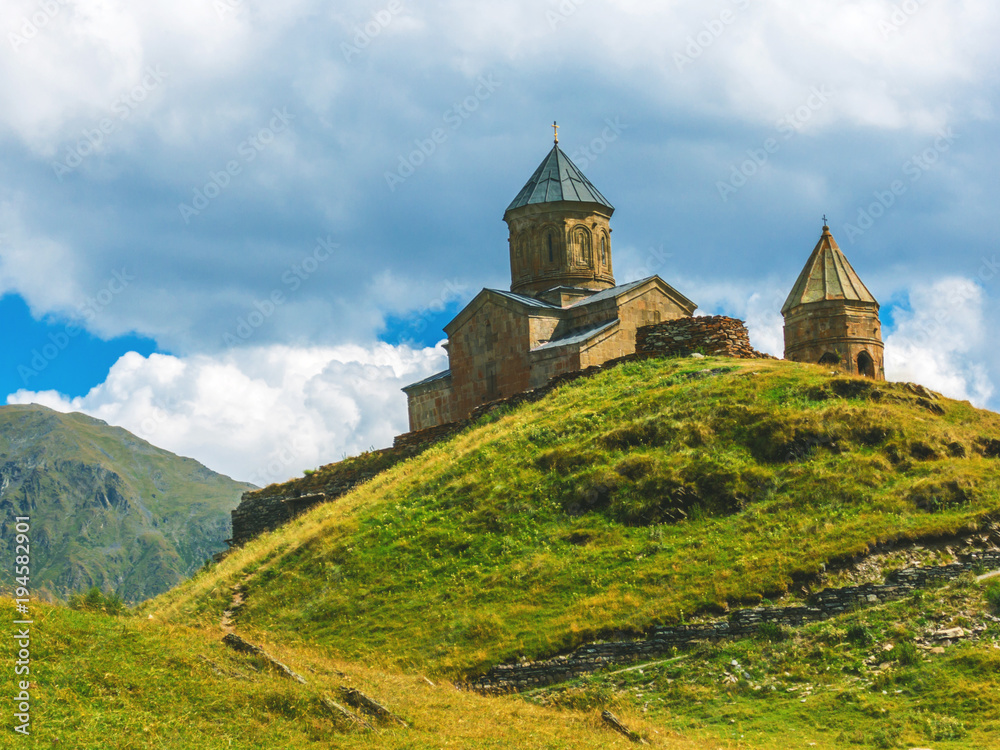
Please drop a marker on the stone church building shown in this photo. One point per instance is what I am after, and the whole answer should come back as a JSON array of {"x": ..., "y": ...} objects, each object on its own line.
[
  {"x": 564, "y": 311},
  {"x": 830, "y": 316}
]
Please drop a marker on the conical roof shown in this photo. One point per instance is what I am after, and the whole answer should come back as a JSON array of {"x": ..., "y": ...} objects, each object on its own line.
[
  {"x": 827, "y": 276},
  {"x": 558, "y": 179}
]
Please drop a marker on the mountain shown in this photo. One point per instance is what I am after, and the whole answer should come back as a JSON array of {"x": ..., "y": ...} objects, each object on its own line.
[{"x": 107, "y": 508}]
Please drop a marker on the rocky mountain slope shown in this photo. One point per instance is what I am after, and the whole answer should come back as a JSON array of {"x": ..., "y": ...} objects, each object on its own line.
[{"x": 107, "y": 509}]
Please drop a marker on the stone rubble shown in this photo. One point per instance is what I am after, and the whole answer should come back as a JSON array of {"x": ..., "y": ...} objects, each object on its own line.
[{"x": 593, "y": 657}]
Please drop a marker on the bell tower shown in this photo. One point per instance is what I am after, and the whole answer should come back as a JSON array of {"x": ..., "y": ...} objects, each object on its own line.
[
  {"x": 830, "y": 316},
  {"x": 560, "y": 233}
]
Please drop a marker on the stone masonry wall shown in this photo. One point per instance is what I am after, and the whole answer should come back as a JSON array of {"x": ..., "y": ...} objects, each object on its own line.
[
  {"x": 592, "y": 657},
  {"x": 713, "y": 336},
  {"x": 267, "y": 509},
  {"x": 716, "y": 336}
]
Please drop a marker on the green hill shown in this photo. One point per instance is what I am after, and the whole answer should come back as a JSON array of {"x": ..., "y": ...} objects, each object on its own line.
[
  {"x": 654, "y": 492},
  {"x": 107, "y": 509}
]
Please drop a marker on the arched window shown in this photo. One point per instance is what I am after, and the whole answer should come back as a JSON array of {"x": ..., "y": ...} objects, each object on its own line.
[
  {"x": 830, "y": 358},
  {"x": 581, "y": 242},
  {"x": 866, "y": 365},
  {"x": 604, "y": 250},
  {"x": 551, "y": 255}
]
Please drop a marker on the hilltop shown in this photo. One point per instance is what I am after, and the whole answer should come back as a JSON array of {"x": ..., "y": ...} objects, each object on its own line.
[
  {"x": 107, "y": 508},
  {"x": 656, "y": 492}
]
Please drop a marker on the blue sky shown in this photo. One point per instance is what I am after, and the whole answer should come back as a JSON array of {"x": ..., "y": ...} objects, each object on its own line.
[{"x": 259, "y": 215}]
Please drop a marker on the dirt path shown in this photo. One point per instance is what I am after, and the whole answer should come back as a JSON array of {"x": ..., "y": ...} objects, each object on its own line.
[{"x": 228, "y": 621}]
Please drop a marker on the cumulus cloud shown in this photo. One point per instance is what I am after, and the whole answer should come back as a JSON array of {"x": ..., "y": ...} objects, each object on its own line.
[
  {"x": 273, "y": 340},
  {"x": 259, "y": 414},
  {"x": 226, "y": 66},
  {"x": 938, "y": 340}
]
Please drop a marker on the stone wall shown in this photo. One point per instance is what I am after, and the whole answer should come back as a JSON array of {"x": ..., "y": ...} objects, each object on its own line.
[
  {"x": 267, "y": 509},
  {"x": 716, "y": 336},
  {"x": 713, "y": 336},
  {"x": 835, "y": 332},
  {"x": 592, "y": 657},
  {"x": 422, "y": 439}
]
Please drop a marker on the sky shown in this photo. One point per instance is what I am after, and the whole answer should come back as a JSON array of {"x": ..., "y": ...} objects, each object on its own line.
[{"x": 236, "y": 227}]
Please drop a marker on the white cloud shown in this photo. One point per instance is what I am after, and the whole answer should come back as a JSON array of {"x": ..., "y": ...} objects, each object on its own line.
[
  {"x": 259, "y": 414},
  {"x": 40, "y": 269},
  {"x": 939, "y": 342}
]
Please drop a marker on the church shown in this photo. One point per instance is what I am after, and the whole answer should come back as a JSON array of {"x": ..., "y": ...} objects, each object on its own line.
[
  {"x": 564, "y": 311},
  {"x": 830, "y": 316}
]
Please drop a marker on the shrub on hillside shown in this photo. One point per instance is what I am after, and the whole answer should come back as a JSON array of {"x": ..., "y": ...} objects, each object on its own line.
[
  {"x": 935, "y": 495},
  {"x": 993, "y": 596},
  {"x": 96, "y": 600},
  {"x": 772, "y": 632}
]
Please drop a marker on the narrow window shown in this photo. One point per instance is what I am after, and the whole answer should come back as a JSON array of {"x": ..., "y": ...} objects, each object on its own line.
[{"x": 551, "y": 256}]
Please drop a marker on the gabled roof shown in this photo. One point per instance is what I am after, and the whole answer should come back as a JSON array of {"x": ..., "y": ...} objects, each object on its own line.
[
  {"x": 576, "y": 337},
  {"x": 433, "y": 378},
  {"x": 610, "y": 293},
  {"x": 558, "y": 179},
  {"x": 524, "y": 299},
  {"x": 544, "y": 307},
  {"x": 827, "y": 276}
]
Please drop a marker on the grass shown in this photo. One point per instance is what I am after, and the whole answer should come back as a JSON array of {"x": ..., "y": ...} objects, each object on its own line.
[
  {"x": 127, "y": 682},
  {"x": 856, "y": 681},
  {"x": 657, "y": 492},
  {"x": 651, "y": 493}
]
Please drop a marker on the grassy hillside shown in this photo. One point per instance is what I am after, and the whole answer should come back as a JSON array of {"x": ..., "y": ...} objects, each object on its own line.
[
  {"x": 652, "y": 493},
  {"x": 107, "y": 508},
  {"x": 853, "y": 682},
  {"x": 124, "y": 683}
]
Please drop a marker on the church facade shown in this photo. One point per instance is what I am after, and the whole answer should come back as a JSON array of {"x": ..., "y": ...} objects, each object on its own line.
[
  {"x": 830, "y": 316},
  {"x": 564, "y": 310}
]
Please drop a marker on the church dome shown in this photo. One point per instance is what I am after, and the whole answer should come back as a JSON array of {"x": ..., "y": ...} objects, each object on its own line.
[{"x": 558, "y": 179}]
